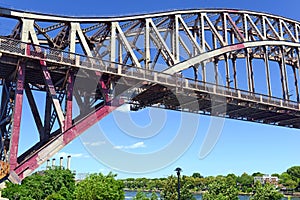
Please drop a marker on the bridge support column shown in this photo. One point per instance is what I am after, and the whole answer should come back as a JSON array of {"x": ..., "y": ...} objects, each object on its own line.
[
  {"x": 69, "y": 101},
  {"x": 17, "y": 114},
  {"x": 296, "y": 82},
  {"x": 228, "y": 81},
  {"x": 216, "y": 65},
  {"x": 282, "y": 66},
  {"x": 203, "y": 72},
  {"x": 249, "y": 71},
  {"x": 267, "y": 68},
  {"x": 234, "y": 71}
]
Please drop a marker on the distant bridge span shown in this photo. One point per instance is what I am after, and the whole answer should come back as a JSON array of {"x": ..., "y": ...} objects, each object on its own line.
[{"x": 228, "y": 63}]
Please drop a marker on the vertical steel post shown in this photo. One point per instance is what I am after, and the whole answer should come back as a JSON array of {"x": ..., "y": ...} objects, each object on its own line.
[
  {"x": 147, "y": 45},
  {"x": 225, "y": 32},
  {"x": 228, "y": 81},
  {"x": 234, "y": 71},
  {"x": 216, "y": 65},
  {"x": 47, "y": 117},
  {"x": 17, "y": 114},
  {"x": 203, "y": 72},
  {"x": 195, "y": 68},
  {"x": 249, "y": 71},
  {"x": 120, "y": 53},
  {"x": 267, "y": 68},
  {"x": 298, "y": 63},
  {"x": 69, "y": 101},
  {"x": 296, "y": 82},
  {"x": 113, "y": 43},
  {"x": 282, "y": 66}
]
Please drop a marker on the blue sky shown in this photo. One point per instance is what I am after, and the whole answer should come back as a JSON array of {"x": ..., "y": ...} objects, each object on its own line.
[{"x": 242, "y": 147}]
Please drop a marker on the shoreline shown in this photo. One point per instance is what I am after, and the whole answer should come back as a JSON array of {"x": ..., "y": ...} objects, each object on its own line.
[{"x": 295, "y": 194}]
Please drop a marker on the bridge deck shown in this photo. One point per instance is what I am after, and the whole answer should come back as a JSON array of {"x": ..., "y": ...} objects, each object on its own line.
[{"x": 161, "y": 89}]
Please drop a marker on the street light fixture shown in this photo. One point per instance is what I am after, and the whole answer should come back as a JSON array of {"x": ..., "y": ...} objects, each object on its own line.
[{"x": 178, "y": 170}]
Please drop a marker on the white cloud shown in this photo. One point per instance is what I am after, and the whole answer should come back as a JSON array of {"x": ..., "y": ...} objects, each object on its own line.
[
  {"x": 93, "y": 144},
  {"x": 133, "y": 146}
]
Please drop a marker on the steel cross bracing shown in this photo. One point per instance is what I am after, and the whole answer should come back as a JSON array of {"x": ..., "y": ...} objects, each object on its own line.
[{"x": 192, "y": 60}]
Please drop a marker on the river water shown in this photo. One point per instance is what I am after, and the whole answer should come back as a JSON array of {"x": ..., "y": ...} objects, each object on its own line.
[{"x": 129, "y": 195}]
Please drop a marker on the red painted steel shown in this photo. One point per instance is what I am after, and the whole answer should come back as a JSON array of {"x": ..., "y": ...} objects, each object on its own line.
[
  {"x": 69, "y": 107},
  {"x": 65, "y": 138},
  {"x": 17, "y": 115}
]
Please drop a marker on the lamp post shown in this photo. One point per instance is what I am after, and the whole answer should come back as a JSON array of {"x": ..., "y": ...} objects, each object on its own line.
[{"x": 178, "y": 170}]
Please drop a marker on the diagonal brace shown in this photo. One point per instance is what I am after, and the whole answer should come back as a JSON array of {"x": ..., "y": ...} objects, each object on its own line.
[{"x": 52, "y": 93}]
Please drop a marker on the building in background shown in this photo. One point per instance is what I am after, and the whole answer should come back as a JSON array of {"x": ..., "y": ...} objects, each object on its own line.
[{"x": 274, "y": 180}]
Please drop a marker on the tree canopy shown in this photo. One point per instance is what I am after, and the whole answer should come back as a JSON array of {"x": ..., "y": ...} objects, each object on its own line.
[
  {"x": 169, "y": 190},
  {"x": 59, "y": 184},
  {"x": 100, "y": 187},
  {"x": 221, "y": 189},
  {"x": 266, "y": 192},
  {"x": 52, "y": 182},
  {"x": 197, "y": 175}
]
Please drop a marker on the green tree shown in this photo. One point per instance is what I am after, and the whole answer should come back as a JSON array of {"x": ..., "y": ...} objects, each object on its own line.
[
  {"x": 140, "y": 196},
  {"x": 266, "y": 192},
  {"x": 169, "y": 190},
  {"x": 154, "y": 196},
  {"x": 14, "y": 191},
  {"x": 245, "y": 181},
  {"x": 232, "y": 176},
  {"x": 276, "y": 175},
  {"x": 100, "y": 187},
  {"x": 294, "y": 172},
  {"x": 257, "y": 174},
  {"x": 287, "y": 181},
  {"x": 55, "y": 196},
  {"x": 197, "y": 175},
  {"x": 42, "y": 184},
  {"x": 221, "y": 189}
]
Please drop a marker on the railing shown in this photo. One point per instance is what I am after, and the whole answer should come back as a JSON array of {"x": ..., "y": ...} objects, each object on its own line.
[{"x": 173, "y": 80}]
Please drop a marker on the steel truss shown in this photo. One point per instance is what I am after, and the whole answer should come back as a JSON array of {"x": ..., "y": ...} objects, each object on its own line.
[{"x": 166, "y": 59}]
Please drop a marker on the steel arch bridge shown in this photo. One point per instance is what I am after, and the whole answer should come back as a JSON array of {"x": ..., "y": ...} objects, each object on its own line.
[{"x": 228, "y": 63}]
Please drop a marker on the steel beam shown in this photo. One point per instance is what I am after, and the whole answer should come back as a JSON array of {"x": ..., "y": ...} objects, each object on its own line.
[
  {"x": 234, "y": 72},
  {"x": 282, "y": 67},
  {"x": 228, "y": 81},
  {"x": 69, "y": 101},
  {"x": 267, "y": 70},
  {"x": 52, "y": 94},
  {"x": 47, "y": 117},
  {"x": 296, "y": 82},
  {"x": 51, "y": 148},
  {"x": 249, "y": 68},
  {"x": 216, "y": 66},
  {"x": 17, "y": 114}
]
